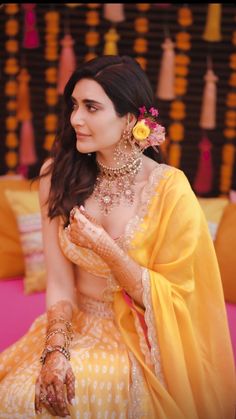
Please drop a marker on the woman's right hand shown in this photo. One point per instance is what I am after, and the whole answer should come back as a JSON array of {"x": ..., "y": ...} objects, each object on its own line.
[{"x": 56, "y": 373}]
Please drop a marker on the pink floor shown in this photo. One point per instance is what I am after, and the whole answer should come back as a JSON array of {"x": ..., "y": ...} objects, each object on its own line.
[{"x": 18, "y": 311}]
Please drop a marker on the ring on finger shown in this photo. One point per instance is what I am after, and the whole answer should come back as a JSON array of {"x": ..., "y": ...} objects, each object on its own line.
[
  {"x": 51, "y": 398},
  {"x": 42, "y": 397}
]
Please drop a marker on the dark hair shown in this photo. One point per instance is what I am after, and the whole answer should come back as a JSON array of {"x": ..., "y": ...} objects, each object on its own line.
[{"x": 74, "y": 173}]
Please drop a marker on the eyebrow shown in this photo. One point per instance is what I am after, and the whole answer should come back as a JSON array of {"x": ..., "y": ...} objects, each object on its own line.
[{"x": 94, "y": 102}]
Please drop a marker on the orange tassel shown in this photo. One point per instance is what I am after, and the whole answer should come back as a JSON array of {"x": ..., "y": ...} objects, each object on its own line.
[
  {"x": 114, "y": 12},
  {"x": 67, "y": 62},
  {"x": 204, "y": 176},
  {"x": 111, "y": 39},
  {"x": 23, "y": 96},
  {"x": 212, "y": 31},
  {"x": 165, "y": 87},
  {"x": 208, "y": 111},
  {"x": 27, "y": 153}
]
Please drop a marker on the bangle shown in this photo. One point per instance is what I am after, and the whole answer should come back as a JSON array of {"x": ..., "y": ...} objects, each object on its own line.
[
  {"x": 50, "y": 349},
  {"x": 61, "y": 320},
  {"x": 67, "y": 337}
]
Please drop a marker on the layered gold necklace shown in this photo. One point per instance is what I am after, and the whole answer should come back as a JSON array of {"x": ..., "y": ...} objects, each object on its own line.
[{"x": 116, "y": 185}]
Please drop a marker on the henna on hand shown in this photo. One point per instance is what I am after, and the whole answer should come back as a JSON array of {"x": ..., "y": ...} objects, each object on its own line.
[
  {"x": 49, "y": 391},
  {"x": 84, "y": 230}
]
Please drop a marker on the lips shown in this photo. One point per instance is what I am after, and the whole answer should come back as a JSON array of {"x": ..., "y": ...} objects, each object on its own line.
[{"x": 82, "y": 134}]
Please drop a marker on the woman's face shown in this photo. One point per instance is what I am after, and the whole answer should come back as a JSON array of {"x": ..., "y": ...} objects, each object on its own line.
[{"x": 97, "y": 126}]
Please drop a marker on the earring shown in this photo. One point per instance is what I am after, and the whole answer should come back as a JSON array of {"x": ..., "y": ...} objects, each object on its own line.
[{"x": 121, "y": 148}]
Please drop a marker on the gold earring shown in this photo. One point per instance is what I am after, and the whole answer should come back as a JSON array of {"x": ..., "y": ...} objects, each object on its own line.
[{"x": 121, "y": 148}]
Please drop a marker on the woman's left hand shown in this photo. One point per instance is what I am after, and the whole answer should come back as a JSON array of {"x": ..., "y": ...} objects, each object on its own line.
[{"x": 84, "y": 230}]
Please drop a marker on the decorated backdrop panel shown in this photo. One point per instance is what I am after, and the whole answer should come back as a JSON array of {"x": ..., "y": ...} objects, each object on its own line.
[{"x": 187, "y": 51}]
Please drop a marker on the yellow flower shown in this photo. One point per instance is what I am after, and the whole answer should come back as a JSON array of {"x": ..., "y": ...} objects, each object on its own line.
[{"x": 141, "y": 131}]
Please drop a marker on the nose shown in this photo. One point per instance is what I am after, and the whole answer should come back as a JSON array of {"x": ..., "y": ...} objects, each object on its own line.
[{"x": 77, "y": 118}]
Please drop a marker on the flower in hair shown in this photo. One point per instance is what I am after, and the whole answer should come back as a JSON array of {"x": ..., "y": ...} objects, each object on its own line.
[{"x": 147, "y": 132}]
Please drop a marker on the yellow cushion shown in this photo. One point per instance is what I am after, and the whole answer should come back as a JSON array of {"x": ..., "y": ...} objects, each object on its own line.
[
  {"x": 11, "y": 256},
  {"x": 213, "y": 209},
  {"x": 225, "y": 245},
  {"x": 25, "y": 205}
]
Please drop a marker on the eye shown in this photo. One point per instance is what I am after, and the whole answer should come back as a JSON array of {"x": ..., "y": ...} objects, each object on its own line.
[
  {"x": 74, "y": 106},
  {"x": 91, "y": 108}
]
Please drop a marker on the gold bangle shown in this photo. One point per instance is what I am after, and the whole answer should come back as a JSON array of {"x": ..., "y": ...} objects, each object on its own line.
[
  {"x": 61, "y": 320},
  {"x": 50, "y": 349},
  {"x": 67, "y": 337}
]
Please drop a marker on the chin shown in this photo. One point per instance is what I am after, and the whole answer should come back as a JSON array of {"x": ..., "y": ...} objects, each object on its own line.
[{"x": 82, "y": 148}]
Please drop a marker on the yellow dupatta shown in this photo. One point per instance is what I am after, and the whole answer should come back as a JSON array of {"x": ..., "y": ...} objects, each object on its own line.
[{"x": 192, "y": 376}]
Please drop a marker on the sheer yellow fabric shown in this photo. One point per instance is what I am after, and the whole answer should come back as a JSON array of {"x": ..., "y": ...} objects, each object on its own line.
[
  {"x": 193, "y": 374},
  {"x": 182, "y": 368}
]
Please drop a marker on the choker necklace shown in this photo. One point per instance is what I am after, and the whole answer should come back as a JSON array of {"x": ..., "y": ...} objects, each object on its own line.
[{"x": 116, "y": 185}]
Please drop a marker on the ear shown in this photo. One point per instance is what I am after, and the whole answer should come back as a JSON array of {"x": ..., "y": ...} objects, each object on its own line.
[{"x": 131, "y": 120}]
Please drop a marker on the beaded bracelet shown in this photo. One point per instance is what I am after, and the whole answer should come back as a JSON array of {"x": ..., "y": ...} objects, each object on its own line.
[{"x": 50, "y": 349}]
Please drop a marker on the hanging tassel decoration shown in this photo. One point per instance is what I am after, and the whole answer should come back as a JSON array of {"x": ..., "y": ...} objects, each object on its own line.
[
  {"x": 212, "y": 31},
  {"x": 114, "y": 12},
  {"x": 111, "y": 39},
  {"x": 27, "y": 154},
  {"x": 31, "y": 35},
  {"x": 203, "y": 180},
  {"x": 67, "y": 62},
  {"x": 73, "y": 5},
  {"x": 165, "y": 87},
  {"x": 208, "y": 110}
]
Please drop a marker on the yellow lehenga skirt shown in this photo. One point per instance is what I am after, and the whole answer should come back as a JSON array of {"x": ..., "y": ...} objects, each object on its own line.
[{"x": 105, "y": 371}]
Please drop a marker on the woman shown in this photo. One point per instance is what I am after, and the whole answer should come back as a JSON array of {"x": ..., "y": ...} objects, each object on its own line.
[{"x": 136, "y": 323}]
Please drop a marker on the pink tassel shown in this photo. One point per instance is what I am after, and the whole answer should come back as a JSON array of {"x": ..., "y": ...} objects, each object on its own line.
[
  {"x": 208, "y": 111},
  {"x": 27, "y": 153},
  {"x": 23, "y": 170},
  {"x": 165, "y": 87},
  {"x": 204, "y": 176},
  {"x": 67, "y": 62},
  {"x": 114, "y": 12},
  {"x": 31, "y": 36}
]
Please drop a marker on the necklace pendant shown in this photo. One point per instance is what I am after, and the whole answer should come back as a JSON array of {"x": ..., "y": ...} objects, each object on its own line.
[
  {"x": 106, "y": 199},
  {"x": 115, "y": 185}
]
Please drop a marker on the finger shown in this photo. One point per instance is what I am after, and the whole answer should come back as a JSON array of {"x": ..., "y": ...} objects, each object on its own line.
[
  {"x": 81, "y": 219},
  {"x": 49, "y": 407},
  {"x": 52, "y": 399},
  {"x": 61, "y": 399},
  {"x": 37, "y": 406},
  {"x": 72, "y": 212},
  {"x": 70, "y": 385},
  {"x": 88, "y": 216}
]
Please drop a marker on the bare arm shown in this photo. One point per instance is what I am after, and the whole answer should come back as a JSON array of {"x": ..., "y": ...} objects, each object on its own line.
[
  {"x": 61, "y": 304},
  {"x": 60, "y": 273}
]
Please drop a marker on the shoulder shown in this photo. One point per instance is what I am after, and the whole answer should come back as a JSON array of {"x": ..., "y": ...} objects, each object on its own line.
[
  {"x": 172, "y": 177},
  {"x": 171, "y": 184},
  {"x": 45, "y": 168},
  {"x": 45, "y": 181}
]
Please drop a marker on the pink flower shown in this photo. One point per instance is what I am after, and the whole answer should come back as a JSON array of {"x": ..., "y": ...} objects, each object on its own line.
[
  {"x": 147, "y": 131},
  {"x": 142, "y": 110},
  {"x": 153, "y": 111}
]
